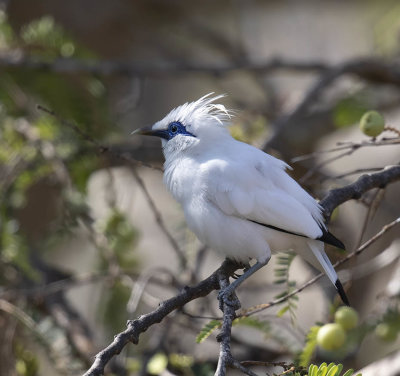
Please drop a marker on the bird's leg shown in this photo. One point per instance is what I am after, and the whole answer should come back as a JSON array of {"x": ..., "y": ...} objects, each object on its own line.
[{"x": 224, "y": 295}]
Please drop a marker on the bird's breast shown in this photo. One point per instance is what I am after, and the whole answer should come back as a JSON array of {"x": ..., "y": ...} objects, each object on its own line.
[{"x": 181, "y": 178}]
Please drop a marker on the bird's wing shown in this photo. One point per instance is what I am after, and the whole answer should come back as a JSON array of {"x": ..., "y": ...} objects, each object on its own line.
[{"x": 260, "y": 190}]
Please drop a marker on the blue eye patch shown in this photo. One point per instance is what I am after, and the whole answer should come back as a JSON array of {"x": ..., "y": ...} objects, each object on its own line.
[{"x": 174, "y": 128}]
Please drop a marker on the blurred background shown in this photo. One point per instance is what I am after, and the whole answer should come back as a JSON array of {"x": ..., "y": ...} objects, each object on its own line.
[{"x": 90, "y": 238}]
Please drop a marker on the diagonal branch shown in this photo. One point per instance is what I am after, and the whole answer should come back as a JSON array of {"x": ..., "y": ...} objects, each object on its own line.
[
  {"x": 141, "y": 324},
  {"x": 363, "y": 184}
]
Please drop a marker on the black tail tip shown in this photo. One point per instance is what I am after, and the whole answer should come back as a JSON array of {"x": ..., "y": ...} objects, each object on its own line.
[{"x": 341, "y": 292}]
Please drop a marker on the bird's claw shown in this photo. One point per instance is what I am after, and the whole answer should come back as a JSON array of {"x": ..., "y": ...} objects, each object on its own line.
[{"x": 226, "y": 296}]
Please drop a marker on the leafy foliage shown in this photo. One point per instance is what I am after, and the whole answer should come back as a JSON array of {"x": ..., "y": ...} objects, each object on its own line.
[
  {"x": 252, "y": 322},
  {"x": 331, "y": 369},
  {"x": 348, "y": 110},
  {"x": 37, "y": 153},
  {"x": 310, "y": 346},
  {"x": 281, "y": 273},
  {"x": 323, "y": 369},
  {"x": 207, "y": 330}
]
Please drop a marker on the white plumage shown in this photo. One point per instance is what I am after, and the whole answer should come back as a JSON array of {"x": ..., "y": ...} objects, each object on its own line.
[{"x": 237, "y": 199}]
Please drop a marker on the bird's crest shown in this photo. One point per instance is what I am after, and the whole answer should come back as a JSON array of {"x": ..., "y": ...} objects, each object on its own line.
[{"x": 203, "y": 111}]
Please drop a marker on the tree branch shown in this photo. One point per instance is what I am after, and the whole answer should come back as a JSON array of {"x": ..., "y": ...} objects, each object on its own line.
[
  {"x": 18, "y": 59},
  {"x": 366, "y": 182},
  {"x": 224, "y": 337},
  {"x": 140, "y": 325},
  {"x": 374, "y": 70}
]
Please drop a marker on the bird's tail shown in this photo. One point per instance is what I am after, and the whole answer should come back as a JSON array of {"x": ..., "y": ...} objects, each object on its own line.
[{"x": 326, "y": 264}]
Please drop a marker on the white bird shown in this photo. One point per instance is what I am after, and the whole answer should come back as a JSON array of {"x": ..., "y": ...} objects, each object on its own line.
[{"x": 237, "y": 199}]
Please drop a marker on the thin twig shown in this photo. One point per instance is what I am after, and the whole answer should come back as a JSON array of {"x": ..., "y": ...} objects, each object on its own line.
[
  {"x": 318, "y": 166},
  {"x": 376, "y": 199},
  {"x": 348, "y": 145}
]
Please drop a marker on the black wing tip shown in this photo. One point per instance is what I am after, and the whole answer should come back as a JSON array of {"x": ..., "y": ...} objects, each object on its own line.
[
  {"x": 341, "y": 292},
  {"x": 328, "y": 238}
]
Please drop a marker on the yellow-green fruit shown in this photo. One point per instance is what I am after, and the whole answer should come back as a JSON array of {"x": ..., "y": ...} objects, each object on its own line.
[
  {"x": 372, "y": 123},
  {"x": 331, "y": 337},
  {"x": 346, "y": 317},
  {"x": 386, "y": 332}
]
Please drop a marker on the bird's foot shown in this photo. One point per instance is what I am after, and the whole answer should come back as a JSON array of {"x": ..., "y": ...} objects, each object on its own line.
[
  {"x": 236, "y": 275},
  {"x": 241, "y": 265},
  {"x": 228, "y": 296}
]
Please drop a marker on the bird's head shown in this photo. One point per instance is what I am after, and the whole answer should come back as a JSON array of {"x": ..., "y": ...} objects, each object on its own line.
[{"x": 190, "y": 124}]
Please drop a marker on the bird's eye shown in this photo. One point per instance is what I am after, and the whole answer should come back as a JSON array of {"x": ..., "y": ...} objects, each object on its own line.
[{"x": 173, "y": 128}]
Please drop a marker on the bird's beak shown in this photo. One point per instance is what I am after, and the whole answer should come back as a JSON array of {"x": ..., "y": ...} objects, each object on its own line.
[{"x": 147, "y": 131}]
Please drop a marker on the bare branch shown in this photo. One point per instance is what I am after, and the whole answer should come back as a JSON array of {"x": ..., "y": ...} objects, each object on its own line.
[
  {"x": 370, "y": 69},
  {"x": 126, "y": 68},
  {"x": 140, "y": 325},
  {"x": 348, "y": 145},
  {"x": 353, "y": 191},
  {"x": 225, "y": 358}
]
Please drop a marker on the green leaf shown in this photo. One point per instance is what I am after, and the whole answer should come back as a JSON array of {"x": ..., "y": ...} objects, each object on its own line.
[
  {"x": 282, "y": 311},
  {"x": 263, "y": 326},
  {"x": 348, "y": 111},
  {"x": 309, "y": 348},
  {"x": 349, "y": 372},
  {"x": 282, "y": 274},
  {"x": 114, "y": 301},
  {"x": 332, "y": 371},
  {"x": 207, "y": 330},
  {"x": 322, "y": 370},
  {"x": 312, "y": 370},
  {"x": 340, "y": 369}
]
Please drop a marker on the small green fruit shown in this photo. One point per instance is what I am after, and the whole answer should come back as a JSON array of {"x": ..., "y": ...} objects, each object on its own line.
[
  {"x": 372, "y": 123},
  {"x": 386, "y": 332},
  {"x": 331, "y": 337},
  {"x": 346, "y": 317}
]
